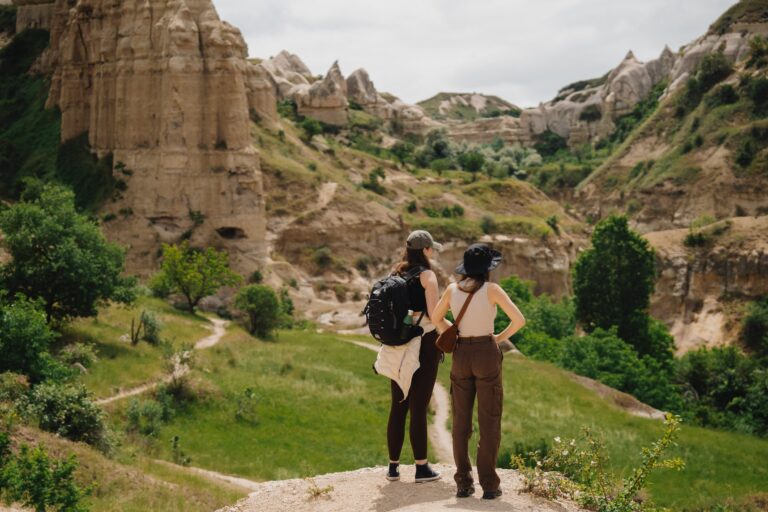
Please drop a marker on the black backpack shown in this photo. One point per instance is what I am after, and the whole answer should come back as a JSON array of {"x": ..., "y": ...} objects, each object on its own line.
[{"x": 387, "y": 307}]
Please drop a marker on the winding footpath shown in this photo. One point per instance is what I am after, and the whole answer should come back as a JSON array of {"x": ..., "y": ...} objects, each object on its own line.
[{"x": 219, "y": 328}]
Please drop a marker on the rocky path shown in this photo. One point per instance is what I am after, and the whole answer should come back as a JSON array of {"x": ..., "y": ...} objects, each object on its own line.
[
  {"x": 219, "y": 328},
  {"x": 439, "y": 435},
  {"x": 367, "y": 490}
]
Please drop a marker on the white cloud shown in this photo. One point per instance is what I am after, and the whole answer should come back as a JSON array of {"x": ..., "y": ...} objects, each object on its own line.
[{"x": 521, "y": 50}]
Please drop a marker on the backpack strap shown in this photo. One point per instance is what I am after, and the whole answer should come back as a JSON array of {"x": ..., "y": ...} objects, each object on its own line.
[{"x": 463, "y": 308}]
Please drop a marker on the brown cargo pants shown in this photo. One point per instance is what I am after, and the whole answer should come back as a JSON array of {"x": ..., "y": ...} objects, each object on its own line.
[{"x": 476, "y": 369}]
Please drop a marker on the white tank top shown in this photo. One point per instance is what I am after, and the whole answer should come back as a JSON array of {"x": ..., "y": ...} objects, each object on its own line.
[{"x": 480, "y": 314}]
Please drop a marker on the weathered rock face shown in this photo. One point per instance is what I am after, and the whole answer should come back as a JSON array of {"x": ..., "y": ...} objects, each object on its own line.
[
  {"x": 162, "y": 85},
  {"x": 262, "y": 93},
  {"x": 33, "y": 14},
  {"x": 361, "y": 90},
  {"x": 287, "y": 70},
  {"x": 325, "y": 100},
  {"x": 699, "y": 291},
  {"x": 484, "y": 131}
]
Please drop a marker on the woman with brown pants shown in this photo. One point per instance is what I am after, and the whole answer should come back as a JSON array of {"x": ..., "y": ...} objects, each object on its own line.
[{"x": 476, "y": 366}]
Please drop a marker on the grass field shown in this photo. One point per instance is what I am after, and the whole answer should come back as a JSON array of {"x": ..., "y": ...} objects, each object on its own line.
[
  {"x": 124, "y": 366},
  {"x": 541, "y": 402}
]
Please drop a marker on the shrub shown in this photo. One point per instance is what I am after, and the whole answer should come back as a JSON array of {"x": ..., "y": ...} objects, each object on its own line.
[
  {"x": 373, "y": 184},
  {"x": 145, "y": 417},
  {"x": 31, "y": 478},
  {"x": 256, "y": 277},
  {"x": 67, "y": 410},
  {"x": 722, "y": 95},
  {"x": 440, "y": 165},
  {"x": 488, "y": 225},
  {"x": 548, "y": 143},
  {"x": 13, "y": 386},
  {"x": 712, "y": 69},
  {"x": 754, "y": 327},
  {"x": 411, "y": 207},
  {"x": 528, "y": 454},
  {"x": 591, "y": 113},
  {"x": 152, "y": 327},
  {"x": 758, "y": 93},
  {"x": 472, "y": 161},
  {"x": 246, "y": 407},
  {"x": 310, "y": 127},
  {"x": 261, "y": 305},
  {"x": 80, "y": 353}
]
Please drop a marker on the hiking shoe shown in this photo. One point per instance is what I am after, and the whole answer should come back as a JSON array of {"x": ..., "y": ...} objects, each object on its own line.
[
  {"x": 424, "y": 473},
  {"x": 491, "y": 495},
  {"x": 393, "y": 473},
  {"x": 465, "y": 493}
]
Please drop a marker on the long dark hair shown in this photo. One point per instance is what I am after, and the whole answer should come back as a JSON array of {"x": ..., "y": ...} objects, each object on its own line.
[
  {"x": 472, "y": 282},
  {"x": 411, "y": 258}
]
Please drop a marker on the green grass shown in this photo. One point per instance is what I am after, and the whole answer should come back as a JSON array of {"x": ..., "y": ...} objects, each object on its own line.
[
  {"x": 121, "y": 365},
  {"x": 541, "y": 401},
  {"x": 319, "y": 408}
]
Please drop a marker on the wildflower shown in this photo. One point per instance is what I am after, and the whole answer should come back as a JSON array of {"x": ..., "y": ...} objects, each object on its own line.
[
  {"x": 565, "y": 453},
  {"x": 573, "y": 442},
  {"x": 557, "y": 439}
]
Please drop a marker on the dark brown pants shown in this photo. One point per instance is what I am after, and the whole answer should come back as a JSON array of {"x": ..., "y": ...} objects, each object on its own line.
[{"x": 476, "y": 370}]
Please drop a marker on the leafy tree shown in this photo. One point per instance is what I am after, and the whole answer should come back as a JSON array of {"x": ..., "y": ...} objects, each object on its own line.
[
  {"x": 194, "y": 273},
  {"x": 402, "y": 151},
  {"x": 25, "y": 337},
  {"x": 548, "y": 143},
  {"x": 613, "y": 282},
  {"x": 472, "y": 161},
  {"x": 261, "y": 305},
  {"x": 60, "y": 256}
]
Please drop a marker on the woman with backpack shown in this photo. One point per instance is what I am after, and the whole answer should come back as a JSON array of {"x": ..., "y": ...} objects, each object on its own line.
[
  {"x": 476, "y": 365},
  {"x": 422, "y": 294}
]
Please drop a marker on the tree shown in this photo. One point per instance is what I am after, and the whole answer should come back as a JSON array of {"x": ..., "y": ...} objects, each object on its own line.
[
  {"x": 25, "y": 338},
  {"x": 194, "y": 273},
  {"x": 613, "y": 282},
  {"x": 261, "y": 305},
  {"x": 472, "y": 161},
  {"x": 60, "y": 256}
]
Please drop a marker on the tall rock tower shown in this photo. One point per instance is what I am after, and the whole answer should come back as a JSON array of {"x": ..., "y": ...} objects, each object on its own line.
[{"x": 161, "y": 85}]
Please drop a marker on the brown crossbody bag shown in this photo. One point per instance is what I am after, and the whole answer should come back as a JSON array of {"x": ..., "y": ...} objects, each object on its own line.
[{"x": 447, "y": 340}]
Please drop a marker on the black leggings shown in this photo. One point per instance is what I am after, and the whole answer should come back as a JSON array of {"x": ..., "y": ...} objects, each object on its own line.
[{"x": 418, "y": 399}]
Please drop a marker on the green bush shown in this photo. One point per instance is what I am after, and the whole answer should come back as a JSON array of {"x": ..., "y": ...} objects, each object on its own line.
[
  {"x": 754, "y": 330},
  {"x": 711, "y": 70},
  {"x": 152, "y": 327},
  {"x": 146, "y": 417},
  {"x": 722, "y": 95},
  {"x": 471, "y": 161},
  {"x": 13, "y": 386},
  {"x": 758, "y": 93},
  {"x": 67, "y": 410},
  {"x": 80, "y": 353},
  {"x": 310, "y": 127},
  {"x": 591, "y": 113},
  {"x": 548, "y": 143},
  {"x": 262, "y": 307},
  {"x": 32, "y": 479},
  {"x": 25, "y": 339}
]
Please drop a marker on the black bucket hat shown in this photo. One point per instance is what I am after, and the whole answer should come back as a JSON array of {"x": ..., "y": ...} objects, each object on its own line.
[{"x": 478, "y": 259}]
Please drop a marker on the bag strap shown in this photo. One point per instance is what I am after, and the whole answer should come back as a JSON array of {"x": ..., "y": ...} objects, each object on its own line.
[{"x": 463, "y": 308}]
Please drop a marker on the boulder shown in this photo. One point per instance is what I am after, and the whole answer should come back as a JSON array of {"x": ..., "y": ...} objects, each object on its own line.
[{"x": 325, "y": 100}]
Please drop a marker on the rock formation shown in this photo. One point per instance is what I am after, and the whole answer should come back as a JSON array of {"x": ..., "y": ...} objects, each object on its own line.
[
  {"x": 698, "y": 290},
  {"x": 262, "y": 93},
  {"x": 287, "y": 70},
  {"x": 326, "y": 99},
  {"x": 33, "y": 14},
  {"x": 361, "y": 90},
  {"x": 163, "y": 87}
]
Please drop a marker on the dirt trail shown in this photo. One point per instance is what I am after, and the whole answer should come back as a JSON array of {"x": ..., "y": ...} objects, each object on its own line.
[
  {"x": 219, "y": 328},
  {"x": 439, "y": 435},
  {"x": 367, "y": 490},
  {"x": 249, "y": 485}
]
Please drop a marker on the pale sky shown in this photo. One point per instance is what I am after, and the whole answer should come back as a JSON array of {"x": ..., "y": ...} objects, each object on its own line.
[{"x": 520, "y": 50}]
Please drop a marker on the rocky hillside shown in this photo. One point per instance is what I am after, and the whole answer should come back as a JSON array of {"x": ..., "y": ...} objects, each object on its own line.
[{"x": 467, "y": 106}]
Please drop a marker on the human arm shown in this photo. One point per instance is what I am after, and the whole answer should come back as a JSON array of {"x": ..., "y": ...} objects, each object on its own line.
[
  {"x": 441, "y": 309},
  {"x": 499, "y": 297},
  {"x": 429, "y": 283}
]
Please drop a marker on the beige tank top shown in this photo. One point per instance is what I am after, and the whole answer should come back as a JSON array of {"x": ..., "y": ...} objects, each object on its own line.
[{"x": 480, "y": 314}]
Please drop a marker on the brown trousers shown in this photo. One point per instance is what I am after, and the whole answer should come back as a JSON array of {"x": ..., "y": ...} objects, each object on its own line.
[{"x": 476, "y": 370}]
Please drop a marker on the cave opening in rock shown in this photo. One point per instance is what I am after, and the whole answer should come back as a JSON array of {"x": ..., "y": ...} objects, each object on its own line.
[{"x": 230, "y": 232}]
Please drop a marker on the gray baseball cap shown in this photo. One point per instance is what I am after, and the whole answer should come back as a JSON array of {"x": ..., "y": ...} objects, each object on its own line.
[{"x": 421, "y": 239}]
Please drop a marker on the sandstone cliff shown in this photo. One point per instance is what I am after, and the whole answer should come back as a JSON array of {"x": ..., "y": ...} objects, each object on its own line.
[
  {"x": 701, "y": 292},
  {"x": 163, "y": 87}
]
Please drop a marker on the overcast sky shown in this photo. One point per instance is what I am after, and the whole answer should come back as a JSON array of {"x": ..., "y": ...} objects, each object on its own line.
[{"x": 521, "y": 50}]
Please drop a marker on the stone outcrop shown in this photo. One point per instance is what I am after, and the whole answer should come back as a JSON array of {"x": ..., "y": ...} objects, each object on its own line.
[
  {"x": 361, "y": 90},
  {"x": 162, "y": 86},
  {"x": 287, "y": 70},
  {"x": 33, "y": 14},
  {"x": 262, "y": 93},
  {"x": 326, "y": 99},
  {"x": 699, "y": 291}
]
